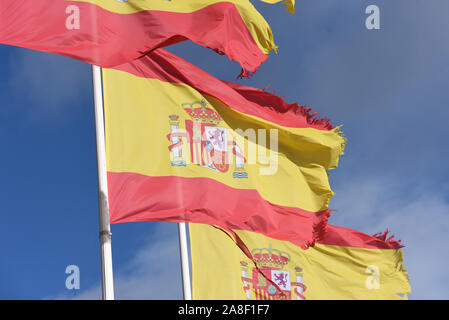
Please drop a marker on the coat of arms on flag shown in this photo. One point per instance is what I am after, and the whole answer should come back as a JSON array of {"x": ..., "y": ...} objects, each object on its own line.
[
  {"x": 275, "y": 266},
  {"x": 210, "y": 145}
]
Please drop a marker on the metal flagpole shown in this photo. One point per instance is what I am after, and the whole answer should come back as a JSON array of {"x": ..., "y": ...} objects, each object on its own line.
[
  {"x": 187, "y": 291},
  {"x": 103, "y": 204}
]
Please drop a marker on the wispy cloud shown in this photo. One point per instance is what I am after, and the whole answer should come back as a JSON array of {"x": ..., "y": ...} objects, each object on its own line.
[{"x": 46, "y": 86}]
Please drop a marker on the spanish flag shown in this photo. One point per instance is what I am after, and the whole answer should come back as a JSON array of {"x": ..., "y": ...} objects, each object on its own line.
[
  {"x": 345, "y": 264},
  {"x": 183, "y": 146},
  {"x": 111, "y": 32}
]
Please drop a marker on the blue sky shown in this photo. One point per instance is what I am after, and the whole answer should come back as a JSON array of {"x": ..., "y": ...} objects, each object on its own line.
[{"x": 387, "y": 87}]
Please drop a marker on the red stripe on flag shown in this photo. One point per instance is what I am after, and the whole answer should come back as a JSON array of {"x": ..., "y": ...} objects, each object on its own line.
[
  {"x": 136, "y": 197},
  {"x": 340, "y": 236}
]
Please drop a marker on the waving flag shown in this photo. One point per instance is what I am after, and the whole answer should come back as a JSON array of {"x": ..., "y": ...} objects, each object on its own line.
[
  {"x": 345, "y": 264},
  {"x": 109, "y": 33},
  {"x": 182, "y": 145}
]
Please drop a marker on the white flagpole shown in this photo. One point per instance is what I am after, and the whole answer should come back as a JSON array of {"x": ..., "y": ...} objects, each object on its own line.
[
  {"x": 103, "y": 203},
  {"x": 185, "y": 269}
]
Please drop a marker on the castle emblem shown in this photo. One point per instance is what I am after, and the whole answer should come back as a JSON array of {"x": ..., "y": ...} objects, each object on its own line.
[
  {"x": 210, "y": 145},
  {"x": 275, "y": 266}
]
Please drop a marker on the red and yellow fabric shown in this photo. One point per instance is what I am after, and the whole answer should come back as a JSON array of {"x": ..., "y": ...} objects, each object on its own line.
[
  {"x": 345, "y": 264},
  {"x": 289, "y": 4},
  {"x": 162, "y": 167},
  {"x": 114, "y": 32}
]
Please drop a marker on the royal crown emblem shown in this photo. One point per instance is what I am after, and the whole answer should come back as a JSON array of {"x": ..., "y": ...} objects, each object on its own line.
[
  {"x": 209, "y": 144},
  {"x": 271, "y": 258},
  {"x": 198, "y": 112},
  {"x": 276, "y": 282}
]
